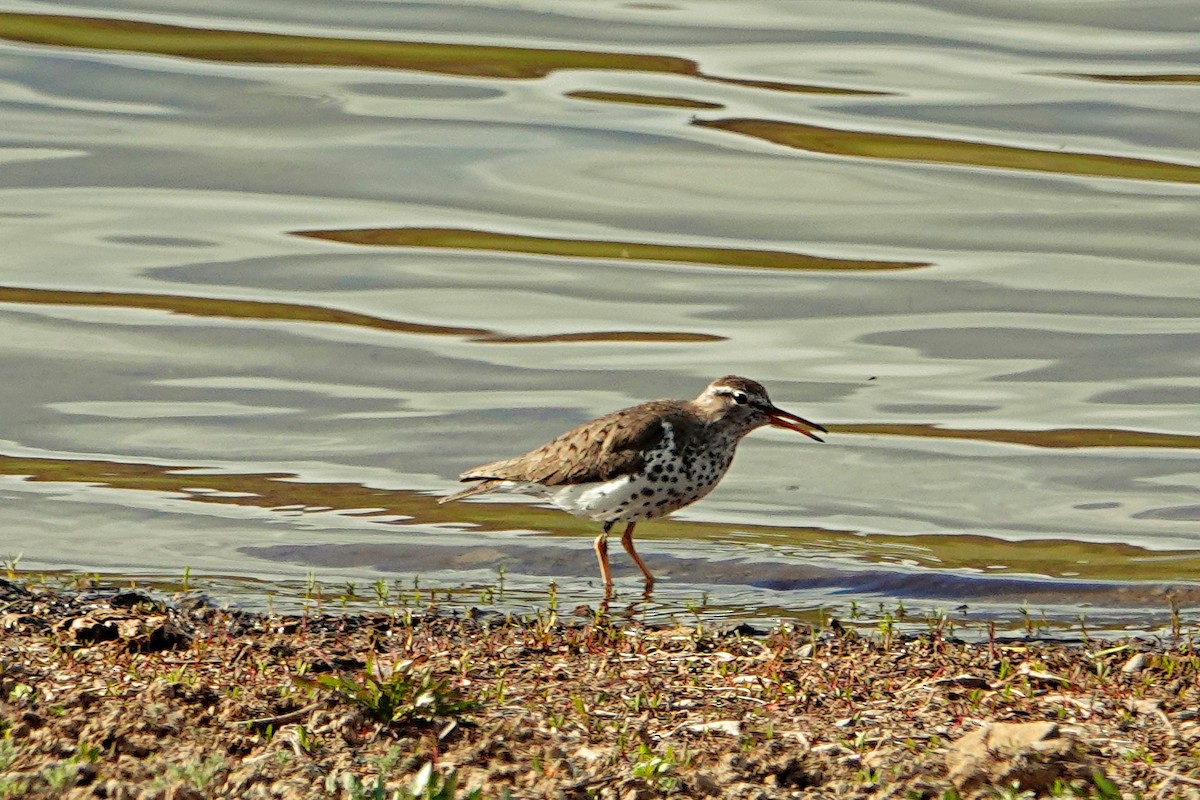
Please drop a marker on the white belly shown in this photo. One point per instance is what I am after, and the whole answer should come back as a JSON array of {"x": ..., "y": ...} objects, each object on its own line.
[{"x": 605, "y": 501}]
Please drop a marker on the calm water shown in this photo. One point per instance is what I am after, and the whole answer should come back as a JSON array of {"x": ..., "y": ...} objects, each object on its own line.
[{"x": 272, "y": 275}]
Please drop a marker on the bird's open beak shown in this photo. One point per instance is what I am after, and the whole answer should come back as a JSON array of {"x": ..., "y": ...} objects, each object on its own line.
[{"x": 778, "y": 418}]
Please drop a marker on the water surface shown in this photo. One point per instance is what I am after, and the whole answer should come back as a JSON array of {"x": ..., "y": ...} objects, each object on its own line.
[{"x": 274, "y": 274}]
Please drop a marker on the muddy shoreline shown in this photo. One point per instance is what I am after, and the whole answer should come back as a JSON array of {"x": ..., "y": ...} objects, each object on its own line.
[{"x": 117, "y": 693}]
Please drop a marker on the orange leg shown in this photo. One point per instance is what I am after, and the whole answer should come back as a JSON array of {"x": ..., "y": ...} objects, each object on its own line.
[
  {"x": 601, "y": 546},
  {"x": 627, "y": 543}
]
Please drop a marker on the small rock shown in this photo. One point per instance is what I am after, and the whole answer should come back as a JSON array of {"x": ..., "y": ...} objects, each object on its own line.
[
  {"x": 1031, "y": 754},
  {"x": 587, "y": 753},
  {"x": 965, "y": 680},
  {"x": 1136, "y": 663},
  {"x": 142, "y": 633},
  {"x": 705, "y": 784},
  {"x": 183, "y": 791},
  {"x": 636, "y": 792},
  {"x": 729, "y": 727},
  {"x": 17, "y": 621},
  {"x": 85, "y": 774},
  {"x": 113, "y": 789},
  {"x": 747, "y": 791},
  {"x": 1141, "y": 705},
  {"x": 1041, "y": 676},
  {"x": 129, "y": 598}
]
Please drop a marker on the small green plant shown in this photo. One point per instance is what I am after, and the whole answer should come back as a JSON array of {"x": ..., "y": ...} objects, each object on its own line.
[
  {"x": 10, "y": 566},
  {"x": 1027, "y": 619},
  {"x": 425, "y": 785},
  {"x": 407, "y": 695},
  {"x": 312, "y": 590},
  {"x": 1012, "y": 792},
  {"x": 8, "y": 752},
  {"x": 887, "y": 630},
  {"x": 1101, "y": 788},
  {"x": 20, "y": 691},
  {"x": 658, "y": 770},
  {"x": 304, "y": 740},
  {"x": 1104, "y": 788},
  {"x": 352, "y": 788},
  {"x": 697, "y": 611},
  {"x": 868, "y": 776},
  {"x": 1139, "y": 753},
  {"x": 430, "y": 785},
  {"x": 388, "y": 763},
  {"x": 1176, "y": 621},
  {"x": 938, "y": 623},
  {"x": 198, "y": 774},
  {"x": 88, "y": 753},
  {"x": 13, "y": 788},
  {"x": 62, "y": 775}
]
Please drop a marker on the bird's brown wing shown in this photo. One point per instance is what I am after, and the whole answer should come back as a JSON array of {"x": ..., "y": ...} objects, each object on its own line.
[{"x": 600, "y": 450}]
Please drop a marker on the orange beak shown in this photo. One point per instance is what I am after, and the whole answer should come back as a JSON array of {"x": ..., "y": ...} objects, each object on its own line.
[{"x": 778, "y": 418}]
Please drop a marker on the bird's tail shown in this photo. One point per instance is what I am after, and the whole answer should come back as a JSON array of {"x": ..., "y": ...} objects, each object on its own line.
[{"x": 482, "y": 487}]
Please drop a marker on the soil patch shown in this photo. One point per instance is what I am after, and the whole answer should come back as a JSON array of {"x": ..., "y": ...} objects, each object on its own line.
[{"x": 118, "y": 694}]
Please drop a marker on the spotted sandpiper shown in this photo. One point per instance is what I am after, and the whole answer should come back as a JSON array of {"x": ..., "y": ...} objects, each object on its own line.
[{"x": 639, "y": 463}]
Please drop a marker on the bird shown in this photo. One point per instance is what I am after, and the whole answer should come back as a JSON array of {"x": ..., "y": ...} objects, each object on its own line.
[{"x": 641, "y": 462}]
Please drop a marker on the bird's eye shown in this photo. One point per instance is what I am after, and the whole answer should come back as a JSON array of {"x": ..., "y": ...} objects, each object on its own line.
[{"x": 739, "y": 398}]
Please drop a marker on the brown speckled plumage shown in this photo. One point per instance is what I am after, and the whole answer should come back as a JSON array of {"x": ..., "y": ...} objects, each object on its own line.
[
  {"x": 640, "y": 462},
  {"x": 605, "y": 448}
]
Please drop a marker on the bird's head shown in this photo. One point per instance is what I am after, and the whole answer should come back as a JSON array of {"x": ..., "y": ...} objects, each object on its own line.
[{"x": 743, "y": 405}]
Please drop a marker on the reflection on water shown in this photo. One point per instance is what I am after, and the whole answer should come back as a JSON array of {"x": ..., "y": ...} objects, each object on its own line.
[
  {"x": 1171, "y": 78},
  {"x": 273, "y": 274},
  {"x": 250, "y": 309},
  {"x": 1061, "y": 437},
  {"x": 579, "y": 248},
  {"x": 252, "y": 47},
  {"x": 643, "y": 100},
  {"x": 948, "y": 151}
]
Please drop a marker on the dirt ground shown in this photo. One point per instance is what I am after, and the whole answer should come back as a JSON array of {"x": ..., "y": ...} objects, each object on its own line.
[{"x": 116, "y": 694}]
